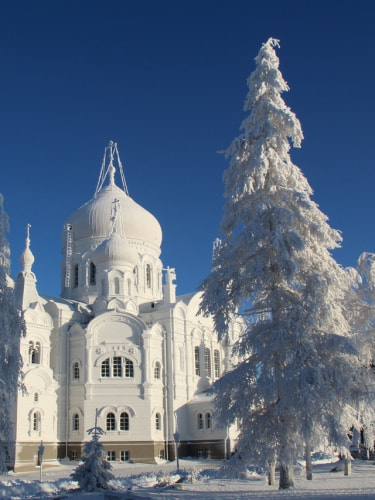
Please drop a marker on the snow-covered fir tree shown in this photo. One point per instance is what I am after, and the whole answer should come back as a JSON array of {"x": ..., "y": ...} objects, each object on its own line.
[
  {"x": 95, "y": 471},
  {"x": 360, "y": 310},
  {"x": 298, "y": 379},
  {"x": 12, "y": 327}
]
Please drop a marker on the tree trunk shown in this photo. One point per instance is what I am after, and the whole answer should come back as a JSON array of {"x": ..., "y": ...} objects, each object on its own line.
[
  {"x": 286, "y": 477},
  {"x": 309, "y": 475},
  {"x": 347, "y": 467},
  {"x": 271, "y": 472}
]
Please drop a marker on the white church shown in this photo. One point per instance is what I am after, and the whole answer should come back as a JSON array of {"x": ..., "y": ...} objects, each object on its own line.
[{"x": 119, "y": 348}]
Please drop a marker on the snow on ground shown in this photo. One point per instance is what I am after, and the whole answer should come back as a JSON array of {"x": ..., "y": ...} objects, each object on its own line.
[{"x": 137, "y": 481}]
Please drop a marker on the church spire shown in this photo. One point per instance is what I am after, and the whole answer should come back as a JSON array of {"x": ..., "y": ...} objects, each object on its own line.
[
  {"x": 108, "y": 168},
  {"x": 27, "y": 258},
  {"x": 25, "y": 287}
]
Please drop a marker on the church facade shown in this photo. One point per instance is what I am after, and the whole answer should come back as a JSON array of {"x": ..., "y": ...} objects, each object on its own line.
[{"x": 119, "y": 349}]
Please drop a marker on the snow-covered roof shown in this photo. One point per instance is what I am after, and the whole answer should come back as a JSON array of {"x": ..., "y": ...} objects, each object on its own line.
[{"x": 92, "y": 220}]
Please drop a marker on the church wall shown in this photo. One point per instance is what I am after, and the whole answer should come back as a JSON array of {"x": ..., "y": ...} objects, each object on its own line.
[{"x": 27, "y": 455}]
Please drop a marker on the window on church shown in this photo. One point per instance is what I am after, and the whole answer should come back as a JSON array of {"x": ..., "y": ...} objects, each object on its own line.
[
  {"x": 117, "y": 368},
  {"x": 111, "y": 422},
  {"x": 76, "y": 371},
  {"x": 157, "y": 370},
  {"x": 124, "y": 421},
  {"x": 207, "y": 362},
  {"x": 111, "y": 456},
  {"x": 36, "y": 421},
  {"x": 125, "y": 455},
  {"x": 105, "y": 368},
  {"x": 76, "y": 422},
  {"x": 200, "y": 421},
  {"x": 158, "y": 422},
  {"x": 92, "y": 273},
  {"x": 117, "y": 286},
  {"x": 197, "y": 361},
  {"x": 76, "y": 275},
  {"x": 208, "y": 419},
  {"x": 34, "y": 352},
  {"x": 217, "y": 363},
  {"x": 148, "y": 276},
  {"x": 129, "y": 368}
]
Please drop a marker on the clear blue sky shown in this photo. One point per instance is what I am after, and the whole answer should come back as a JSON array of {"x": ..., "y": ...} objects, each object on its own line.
[{"x": 166, "y": 80}]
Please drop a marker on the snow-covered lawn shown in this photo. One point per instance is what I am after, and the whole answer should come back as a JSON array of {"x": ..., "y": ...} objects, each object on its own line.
[{"x": 138, "y": 481}]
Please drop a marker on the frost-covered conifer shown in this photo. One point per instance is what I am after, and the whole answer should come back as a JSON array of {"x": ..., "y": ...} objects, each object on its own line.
[
  {"x": 12, "y": 327},
  {"x": 95, "y": 471},
  {"x": 297, "y": 379},
  {"x": 360, "y": 306}
]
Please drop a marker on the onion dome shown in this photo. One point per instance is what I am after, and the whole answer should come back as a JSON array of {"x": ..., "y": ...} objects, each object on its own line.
[
  {"x": 133, "y": 221},
  {"x": 27, "y": 258},
  {"x": 115, "y": 248}
]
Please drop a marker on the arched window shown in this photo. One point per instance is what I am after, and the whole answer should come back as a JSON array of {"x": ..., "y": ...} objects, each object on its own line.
[
  {"x": 157, "y": 370},
  {"x": 207, "y": 362},
  {"x": 36, "y": 397},
  {"x": 76, "y": 422},
  {"x": 105, "y": 368},
  {"x": 158, "y": 422},
  {"x": 124, "y": 421},
  {"x": 129, "y": 368},
  {"x": 34, "y": 352},
  {"x": 111, "y": 422},
  {"x": 117, "y": 368},
  {"x": 148, "y": 276},
  {"x": 92, "y": 273},
  {"x": 200, "y": 421},
  {"x": 208, "y": 420},
  {"x": 36, "y": 421},
  {"x": 76, "y": 370},
  {"x": 31, "y": 350},
  {"x": 217, "y": 363},
  {"x": 117, "y": 286},
  {"x": 76, "y": 276},
  {"x": 197, "y": 361}
]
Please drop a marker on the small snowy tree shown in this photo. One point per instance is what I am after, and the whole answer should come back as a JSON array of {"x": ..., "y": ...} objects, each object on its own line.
[
  {"x": 95, "y": 471},
  {"x": 12, "y": 327},
  {"x": 297, "y": 379}
]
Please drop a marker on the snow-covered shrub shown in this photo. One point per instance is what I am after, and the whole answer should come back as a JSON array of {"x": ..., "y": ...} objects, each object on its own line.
[{"x": 163, "y": 478}]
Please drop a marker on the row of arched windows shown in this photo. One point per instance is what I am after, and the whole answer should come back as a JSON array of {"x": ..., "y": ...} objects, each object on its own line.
[
  {"x": 117, "y": 367},
  {"x": 111, "y": 424},
  {"x": 205, "y": 368},
  {"x": 92, "y": 277}
]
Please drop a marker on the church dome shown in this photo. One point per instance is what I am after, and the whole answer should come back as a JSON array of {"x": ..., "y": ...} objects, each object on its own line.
[
  {"x": 117, "y": 249},
  {"x": 92, "y": 220}
]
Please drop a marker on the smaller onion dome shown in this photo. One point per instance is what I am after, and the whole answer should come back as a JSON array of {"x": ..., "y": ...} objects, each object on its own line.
[
  {"x": 27, "y": 257},
  {"x": 115, "y": 248}
]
